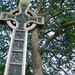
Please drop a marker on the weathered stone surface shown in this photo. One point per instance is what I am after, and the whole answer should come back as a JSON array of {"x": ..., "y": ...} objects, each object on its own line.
[
  {"x": 21, "y": 26},
  {"x": 15, "y": 70},
  {"x": 20, "y": 34},
  {"x": 39, "y": 20},
  {"x": 22, "y": 18},
  {"x": 16, "y": 57},
  {"x": 23, "y": 8},
  {"x": 18, "y": 45},
  {"x": 10, "y": 16},
  {"x": 4, "y": 16},
  {"x": 33, "y": 19}
]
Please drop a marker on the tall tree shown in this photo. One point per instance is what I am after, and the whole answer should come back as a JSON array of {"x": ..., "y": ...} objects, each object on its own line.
[{"x": 51, "y": 48}]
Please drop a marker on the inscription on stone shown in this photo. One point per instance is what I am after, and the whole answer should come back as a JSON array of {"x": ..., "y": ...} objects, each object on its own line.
[
  {"x": 16, "y": 57},
  {"x": 15, "y": 69}
]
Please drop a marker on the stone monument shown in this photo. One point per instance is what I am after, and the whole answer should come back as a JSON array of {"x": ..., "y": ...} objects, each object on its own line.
[{"x": 21, "y": 21}]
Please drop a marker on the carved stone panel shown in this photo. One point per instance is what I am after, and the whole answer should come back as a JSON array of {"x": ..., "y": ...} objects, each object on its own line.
[
  {"x": 15, "y": 70},
  {"x": 20, "y": 34},
  {"x": 18, "y": 45},
  {"x": 16, "y": 57},
  {"x": 22, "y": 18}
]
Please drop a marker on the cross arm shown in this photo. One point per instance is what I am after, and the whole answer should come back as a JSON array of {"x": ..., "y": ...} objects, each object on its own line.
[
  {"x": 37, "y": 20},
  {"x": 6, "y": 16}
]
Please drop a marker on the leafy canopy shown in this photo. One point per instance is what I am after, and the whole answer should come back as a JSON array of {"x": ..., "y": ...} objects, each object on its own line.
[{"x": 56, "y": 38}]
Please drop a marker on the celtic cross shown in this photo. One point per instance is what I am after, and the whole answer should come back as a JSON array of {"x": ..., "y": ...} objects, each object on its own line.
[{"x": 20, "y": 21}]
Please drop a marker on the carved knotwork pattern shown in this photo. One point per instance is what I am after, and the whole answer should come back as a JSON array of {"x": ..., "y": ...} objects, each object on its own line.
[
  {"x": 22, "y": 18},
  {"x": 16, "y": 57},
  {"x": 20, "y": 34},
  {"x": 18, "y": 45},
  {"x": 15, "y": 70}
]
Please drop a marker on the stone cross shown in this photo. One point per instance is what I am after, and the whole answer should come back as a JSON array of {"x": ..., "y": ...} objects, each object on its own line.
[{"x": 21, "y": 21}]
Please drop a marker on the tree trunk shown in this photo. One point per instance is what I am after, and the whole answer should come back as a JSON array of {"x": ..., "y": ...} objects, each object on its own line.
[{"x": 37, "y": 65}]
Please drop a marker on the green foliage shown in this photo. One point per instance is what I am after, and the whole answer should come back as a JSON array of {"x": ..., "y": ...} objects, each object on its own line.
[
  {"x": 2, "y": 69},
  {"x": 28, "y": 72},
  {"x": 64, "y": 20},
  {"x": 65, "y": 42}
]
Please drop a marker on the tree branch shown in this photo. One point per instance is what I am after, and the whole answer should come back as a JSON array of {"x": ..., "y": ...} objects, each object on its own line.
[
  {"x": 55, "y": 50},
  {"x": 70, "y": 9},
  {"x": 63, "y": 70},
  {"x": 43, "y": 8},
  {"x": 39, "y": 6},
  {"x": 59, "y": 64},
  {"x": 61, "y": 4},
  {"x": 56, "y": 33},
  {"x": 59, "y": 40},
  {"x": 52, "y": 51},
  {"x": 64, "y": 25},
  {"x": 36, "y": 0},
  {"x": 47, "y": 11},
  {"x": 70, "y": 4},
  {"x": 43, "y": 37},
  {"x": 48, "y": 41},
  {"x": 54, "y": 15},
  {"x": 29, "y": 65},
  {"x": 45, "y": 33}
]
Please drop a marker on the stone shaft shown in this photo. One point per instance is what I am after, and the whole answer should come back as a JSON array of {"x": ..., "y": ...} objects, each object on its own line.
[{"x": 17, "y": 50}]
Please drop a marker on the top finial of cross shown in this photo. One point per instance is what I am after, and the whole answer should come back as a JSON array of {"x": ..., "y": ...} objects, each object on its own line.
[{"x": 24, "y": 1}]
